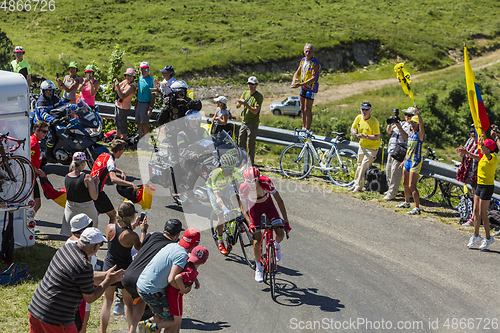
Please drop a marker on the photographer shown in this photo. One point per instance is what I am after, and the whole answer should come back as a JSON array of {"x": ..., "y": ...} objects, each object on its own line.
[
  {"x": 89, "y": 86},
  {"x": 125, "y": 91},
  {"x": 399, "y": 135}
]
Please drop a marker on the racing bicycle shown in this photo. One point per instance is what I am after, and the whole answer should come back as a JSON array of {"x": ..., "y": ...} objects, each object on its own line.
[
  {"x": 235, "y": 230},
  {"x": 17, "y": 176},
  {"x": 298, "y": 159},
  {"x": 427, "y": 187}
]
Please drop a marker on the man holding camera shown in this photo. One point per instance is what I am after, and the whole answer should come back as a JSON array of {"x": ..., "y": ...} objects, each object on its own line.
[
  {"x": 399, "y": 135},
  {"x": 367, "y": 129}
]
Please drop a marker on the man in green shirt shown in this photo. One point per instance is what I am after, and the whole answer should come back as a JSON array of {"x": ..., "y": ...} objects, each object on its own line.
[
  {"x": 21, "y": 66},
  {"x": 251, "y": 100}
]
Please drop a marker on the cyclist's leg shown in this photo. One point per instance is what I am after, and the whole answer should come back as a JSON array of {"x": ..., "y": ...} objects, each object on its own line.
[
  {"x": 218, "y": 211},
  {"x": 274, "y": 218}
]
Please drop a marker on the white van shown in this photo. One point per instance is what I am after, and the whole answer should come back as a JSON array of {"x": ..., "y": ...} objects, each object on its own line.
[{"x": 14, "y": 119}]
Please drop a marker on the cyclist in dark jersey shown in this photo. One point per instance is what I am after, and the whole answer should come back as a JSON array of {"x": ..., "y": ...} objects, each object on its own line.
[{"x": 258, "y": 190}]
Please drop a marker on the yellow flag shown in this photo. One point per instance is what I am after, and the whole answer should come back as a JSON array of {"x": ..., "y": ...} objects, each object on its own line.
[{"x": 404, "y": 78}]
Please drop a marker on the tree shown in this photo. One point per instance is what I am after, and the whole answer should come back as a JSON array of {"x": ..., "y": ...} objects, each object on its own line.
[{"x": 5, "y": 51}]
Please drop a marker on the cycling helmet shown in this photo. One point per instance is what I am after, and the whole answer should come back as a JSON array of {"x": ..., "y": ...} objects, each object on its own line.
[
  {"x": 193, "y": 119},
  {"x": 228, "y": 161},
  {"x": 47, "y": 84},
  {"x": 179, "y": 88},
  {"x": 251, "y": 175}
]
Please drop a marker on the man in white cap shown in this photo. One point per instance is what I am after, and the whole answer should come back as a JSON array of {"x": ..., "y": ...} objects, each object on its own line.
[
  {"x": 145, "y": 99},
  {"x": 20, "y": 65},
  {"x": 251, "y": 100},
  {"x": 68, "y": 280}
]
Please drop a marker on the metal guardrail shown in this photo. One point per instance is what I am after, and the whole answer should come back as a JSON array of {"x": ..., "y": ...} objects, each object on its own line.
[{"x": 271, "y": 135}]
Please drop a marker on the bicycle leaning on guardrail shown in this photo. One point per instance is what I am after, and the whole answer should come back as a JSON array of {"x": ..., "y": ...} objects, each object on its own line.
[
  {"x": 297, "y": 159},
  {"x": 427, "y": 187}
]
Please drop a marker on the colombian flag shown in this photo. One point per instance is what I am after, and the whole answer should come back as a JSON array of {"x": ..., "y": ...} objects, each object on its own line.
[{"x": 477, "y": 109}]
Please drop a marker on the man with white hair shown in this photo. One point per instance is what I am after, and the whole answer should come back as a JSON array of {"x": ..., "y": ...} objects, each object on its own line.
[{"x": 68, "y": 280}]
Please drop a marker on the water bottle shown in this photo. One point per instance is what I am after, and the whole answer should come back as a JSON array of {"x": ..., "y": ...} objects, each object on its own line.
[{"x": 231, "y": 226}]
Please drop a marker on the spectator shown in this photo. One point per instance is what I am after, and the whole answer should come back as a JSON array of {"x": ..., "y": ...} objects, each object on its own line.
[
  {"x": 104, "y": 167},
  {"x": 41, "y": 128},
  {"x": 485, "y": 188},
  {"x": 467, "y": 171},
  {"x": 81, "y": 191},
  {"x": 121, "y": 238},
  {"x": 151, "y": 245},
  {"x": 145, "y": 100},
  {"x": 69, "y": 84},
  {"x": 367, "y": 129},
  {"x": 399, "y": 135},
  {"x": 78, "y": 224},
  {"x": 89, "y": 86},
  {"x": 307, "y": 74},
  {"x": 221, "y": 116},
  {"x": 125, "y": 91},
  {"x": 251, "y": 100},
  {"x": 69, "y": 279},
  {"x": 20, "y": 65},
  {"x": 168, "y": 74},
  {"x": 159, "y": 273},
  {"x": 413, "y": 163}
]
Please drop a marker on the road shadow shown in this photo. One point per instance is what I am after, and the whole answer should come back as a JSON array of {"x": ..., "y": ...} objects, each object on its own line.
[
  {"x": 288, "y": 294},
  {"x": 56, "y": 169},
  {"x": 237, "y": 258},
  {"x": 194, "y": 324},
  {"x": 48, "y": 224},
  {"x": 486, "y": 251},
  {"x": 289, "y": 271}
]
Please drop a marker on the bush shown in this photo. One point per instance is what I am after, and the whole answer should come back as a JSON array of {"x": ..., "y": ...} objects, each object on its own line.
[{"x": 5, "y": 51}]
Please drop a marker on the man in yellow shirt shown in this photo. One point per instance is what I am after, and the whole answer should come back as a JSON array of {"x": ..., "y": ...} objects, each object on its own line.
[
  {"x": 20, "y": 65},
  {"x": 367, "y": 129}
]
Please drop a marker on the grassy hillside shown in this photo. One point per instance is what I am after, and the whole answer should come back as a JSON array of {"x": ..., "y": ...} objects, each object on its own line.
[{"x": 200, "y": 34}]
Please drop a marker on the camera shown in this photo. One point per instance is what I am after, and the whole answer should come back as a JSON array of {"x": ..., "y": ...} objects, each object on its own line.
[{"x": 394, "y": 118}]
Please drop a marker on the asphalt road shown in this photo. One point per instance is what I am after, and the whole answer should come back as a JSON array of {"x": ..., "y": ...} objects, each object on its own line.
[{"x": 349, "y": 266}]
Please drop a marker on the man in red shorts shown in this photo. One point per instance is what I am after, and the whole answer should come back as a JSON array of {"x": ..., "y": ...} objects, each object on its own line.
[
  {"x": 41, "y": 128},
  {"x": 258, "y": 189}
]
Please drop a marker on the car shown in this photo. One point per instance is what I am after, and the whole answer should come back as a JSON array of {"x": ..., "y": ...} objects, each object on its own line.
[{"x": 289, "y": 107}]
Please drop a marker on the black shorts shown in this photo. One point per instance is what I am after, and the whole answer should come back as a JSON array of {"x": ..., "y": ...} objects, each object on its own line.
[
  {"x": 485, "y": 192},
  {"x": 36, "y": 190},
  {"x": 103, "y": 204}
]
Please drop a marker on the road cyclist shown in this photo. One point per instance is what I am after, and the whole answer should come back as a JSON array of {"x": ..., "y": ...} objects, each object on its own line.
[
  {"x": 223, "y": 183},
  {"x": 258, "y": 190}
]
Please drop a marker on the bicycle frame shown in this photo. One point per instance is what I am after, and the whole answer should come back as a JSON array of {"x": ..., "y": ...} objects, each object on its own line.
[{"x": 322, "y": 164}]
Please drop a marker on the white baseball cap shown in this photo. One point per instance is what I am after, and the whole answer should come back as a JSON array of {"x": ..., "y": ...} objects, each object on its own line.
[
  {"x": 79, "y": 221},
  {"x": 252, "y": 80},
  {"x": 144, "y": 64},
  {"x": 92, "y": 236},
  {"x": 221, "y": 99}
]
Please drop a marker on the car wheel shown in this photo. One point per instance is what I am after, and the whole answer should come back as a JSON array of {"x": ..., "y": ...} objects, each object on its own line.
[{"x": 277, "y": 112}]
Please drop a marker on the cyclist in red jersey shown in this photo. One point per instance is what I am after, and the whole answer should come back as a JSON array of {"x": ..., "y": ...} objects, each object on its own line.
[
  {"x": 258, "y": 189},
  {"x": 104, "y": 167}
]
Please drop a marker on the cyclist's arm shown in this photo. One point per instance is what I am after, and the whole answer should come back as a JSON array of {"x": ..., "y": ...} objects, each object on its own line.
[
  {"x": 219, "y": 200},
  {"x": 244, "y": 212},
  {"x": 281, "y": 205}
]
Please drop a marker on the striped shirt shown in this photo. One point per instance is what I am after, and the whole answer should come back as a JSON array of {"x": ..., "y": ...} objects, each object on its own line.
[{"x": 60, "y": 293}]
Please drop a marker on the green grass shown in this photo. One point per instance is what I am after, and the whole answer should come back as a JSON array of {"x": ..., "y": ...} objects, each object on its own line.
[{"x": 201, "y": 35}]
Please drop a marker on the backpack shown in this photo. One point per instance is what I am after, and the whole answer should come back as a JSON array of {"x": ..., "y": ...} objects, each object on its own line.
[
  {"x": 376, "y": 180},
  {"x": 465, "y": 208}
]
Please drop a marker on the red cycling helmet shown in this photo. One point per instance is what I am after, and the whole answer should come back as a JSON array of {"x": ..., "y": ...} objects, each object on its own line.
[{"x": 251, "y": 174}]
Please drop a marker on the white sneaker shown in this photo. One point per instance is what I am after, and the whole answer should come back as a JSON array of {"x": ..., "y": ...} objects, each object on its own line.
[
  {"x": 403, "y": 205},
  {"x": 486, "y": 242},
  {"x": 259, "y": 277},
  {"x": 474, "y": 240},
  {"x": 388, "y": 197},
  {"x": 414, "y": 211},
  {"x": 278, "y": 251}
]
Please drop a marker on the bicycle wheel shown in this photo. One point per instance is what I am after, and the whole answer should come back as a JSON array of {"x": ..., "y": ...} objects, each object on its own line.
[
  {"x": 452, "y": 193},
  {"x": 246, "y": 242},
  {"x": 264, "y": 261},
  {"x": 342, "y": 167},
  {"x": 271, "y": 255},
  {"x": 19, "y": 187},
  {"x": 426, "y": 187},
  {"x": 213, "y": 228},
  {"x": 296, "y": 161}
]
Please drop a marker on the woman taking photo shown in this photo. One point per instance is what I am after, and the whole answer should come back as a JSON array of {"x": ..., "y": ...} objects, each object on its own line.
[
  {"x": 125, "y": 91},
  {"x": 89, "y": 86},
  {"x": 121, "y": 237},
  {"x": 81, "y": 191},
  {"x": 69, "y": 84},
  {"x": 413, "y": 162},
  {"x": 484, "y": 190}
]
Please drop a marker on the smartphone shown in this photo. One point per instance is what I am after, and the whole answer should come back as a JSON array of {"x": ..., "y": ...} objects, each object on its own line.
[
  {"x": 143, "y": 215},
  {"x": 57, "y": 74}
]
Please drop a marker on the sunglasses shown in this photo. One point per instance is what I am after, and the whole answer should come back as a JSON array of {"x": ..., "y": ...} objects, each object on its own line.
[
  {"x": 229, "y": 169},
  {"x": 248, "y": 181},
  {"x": 408, "y": 115},
  {"x": 43, "y": 131},
  {"x": 252, "y": 84},
  {"x": 49, "y": 90},
  {"x": 144, "y": 69}
]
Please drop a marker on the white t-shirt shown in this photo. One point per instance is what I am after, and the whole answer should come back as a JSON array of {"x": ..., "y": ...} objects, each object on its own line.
[
  {"x": 221, "y": 113},
  {"x": 396, "y": 137}
]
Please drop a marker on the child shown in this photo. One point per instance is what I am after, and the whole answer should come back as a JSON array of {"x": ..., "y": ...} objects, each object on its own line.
[
  {"x": 221, "y": 115},
  {"x": 182, "y": 285}
]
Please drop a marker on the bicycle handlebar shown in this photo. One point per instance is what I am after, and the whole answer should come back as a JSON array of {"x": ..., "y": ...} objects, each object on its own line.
[{"x": 5, "y": 137}]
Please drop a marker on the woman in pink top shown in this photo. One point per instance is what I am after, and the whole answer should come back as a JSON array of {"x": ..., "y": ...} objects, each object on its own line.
[
  {"x": 89, "y": 86},
  {"x": 125, "y": 91}
]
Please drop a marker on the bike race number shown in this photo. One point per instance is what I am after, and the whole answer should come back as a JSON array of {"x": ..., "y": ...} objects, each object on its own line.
[{"x": 28, "y": 5}]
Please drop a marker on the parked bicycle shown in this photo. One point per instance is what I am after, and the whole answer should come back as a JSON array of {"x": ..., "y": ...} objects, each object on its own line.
[
  {"x": 234, "y": 230},
  {"x": 427, "y": 187},
  {"x": 17, "y": 176},
  {"x": 298, "y": 159}
]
